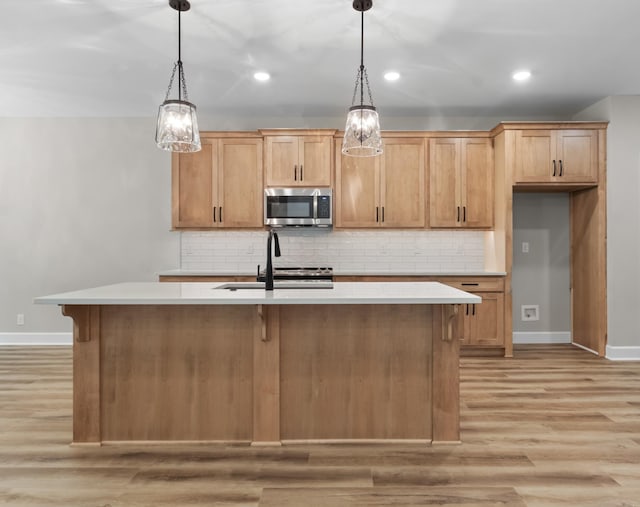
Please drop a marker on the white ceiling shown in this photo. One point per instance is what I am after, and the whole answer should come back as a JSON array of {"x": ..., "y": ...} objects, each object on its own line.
[{"x": 456, "y": 57}]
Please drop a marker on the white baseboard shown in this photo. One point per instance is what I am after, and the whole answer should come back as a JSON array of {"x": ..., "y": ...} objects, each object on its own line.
[
  {"x": 541, "y": 337},
  {"x": 623, "y": 353},
  {"x": 36, "y": 339}
]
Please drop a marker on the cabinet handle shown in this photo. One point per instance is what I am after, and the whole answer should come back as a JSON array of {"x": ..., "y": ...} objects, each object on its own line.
[
  {"x": 474, "y": 309},
  {"x": 474, "y": 284},
  {"x": 464, "y": 213},
  {"x": 376, "y": 213},
  {"x": 383, "y": 213},
  {"x": 220, "y": 213},
  {"x": 554, "y": 167},
  {"x": 214, "y": 214},
  {"x": 467, "y": 310},
  {"x": 295, "y": 172},
  {"x": 561, "y": 168},
  {"x": 458, "y": 217},
  {"x": 301, "y": 174}
]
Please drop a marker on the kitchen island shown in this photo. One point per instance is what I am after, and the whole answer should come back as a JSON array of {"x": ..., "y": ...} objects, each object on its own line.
[{"x": 200, "y": 362}]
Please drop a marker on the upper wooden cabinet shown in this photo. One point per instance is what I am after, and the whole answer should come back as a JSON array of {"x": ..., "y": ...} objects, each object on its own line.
[
  {"x": 384, "y": 191},
  {"x": 556, "y": 156},
  {"x": 219, "y": 186},
  {"x": 298, "y": 160},
  {"x": 461, "y": 183}
]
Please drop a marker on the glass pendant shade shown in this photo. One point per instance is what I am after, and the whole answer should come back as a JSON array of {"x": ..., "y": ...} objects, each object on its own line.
[
  {"x": 362, "y": 132},
  {"x": 177, "y": 128}
]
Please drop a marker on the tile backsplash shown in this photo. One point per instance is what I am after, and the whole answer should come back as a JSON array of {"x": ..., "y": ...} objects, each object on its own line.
[{"x": 346, "y": 251}]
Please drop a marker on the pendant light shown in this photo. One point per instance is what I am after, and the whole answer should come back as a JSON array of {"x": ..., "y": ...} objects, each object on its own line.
[
  {"x": 177, "y": 128},
  {"x": 362, "y": 132}
]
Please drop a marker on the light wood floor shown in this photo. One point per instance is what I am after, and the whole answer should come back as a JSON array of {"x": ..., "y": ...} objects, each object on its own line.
[{"x": 553, "y": 426}]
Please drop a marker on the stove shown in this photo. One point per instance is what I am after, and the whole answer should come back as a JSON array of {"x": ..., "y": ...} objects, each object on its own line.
[{"x": 307, "y": 274}]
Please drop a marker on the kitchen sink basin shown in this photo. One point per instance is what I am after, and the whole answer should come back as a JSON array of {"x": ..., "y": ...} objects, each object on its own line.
[{"x": 278, "y": 285}]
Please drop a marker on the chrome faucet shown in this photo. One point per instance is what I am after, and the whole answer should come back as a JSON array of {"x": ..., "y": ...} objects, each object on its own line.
[{"x": 268, "y": 280}]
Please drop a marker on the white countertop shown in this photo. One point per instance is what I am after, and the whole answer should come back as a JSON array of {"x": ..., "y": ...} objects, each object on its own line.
[
  {"x": 336, "y": 272},
  {"x": 204, "y": 293}
]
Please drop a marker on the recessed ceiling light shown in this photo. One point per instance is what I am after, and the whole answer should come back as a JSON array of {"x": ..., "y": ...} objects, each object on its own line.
[
  {"x": 521, "y": 75},
  {"x": 262, "y": 76},
  {"x": 392, "y": 75}
]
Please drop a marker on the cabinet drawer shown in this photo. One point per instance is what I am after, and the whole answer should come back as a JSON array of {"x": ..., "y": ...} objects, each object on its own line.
[{"x": 484, "y": 284}]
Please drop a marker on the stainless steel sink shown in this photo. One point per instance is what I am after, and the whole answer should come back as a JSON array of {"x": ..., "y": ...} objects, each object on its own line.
[{"x": 324, "y": 284}]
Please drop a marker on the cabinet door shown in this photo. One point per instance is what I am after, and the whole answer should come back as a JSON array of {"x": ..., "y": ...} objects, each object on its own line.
[
  {"x": 402, "y": 181},
  {"x": 534, "y": 155},
  {"x": 240, "y": 192},
  {"x": 577, "y": 156},
  {"x": 485, "y": 322},
  {"x": 477, "y": 183},
  {"x": 281, "y": 162},
  {"x": 357, "y": 190},
  {"x": 314, "y": 168},
  {"x": 444, "y": 190},
  {"x": 192, "y": 186}
]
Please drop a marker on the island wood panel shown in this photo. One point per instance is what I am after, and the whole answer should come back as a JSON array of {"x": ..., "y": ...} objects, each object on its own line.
[
  {"x": 446, "y": 375},
  {"x": 176, "y": 372},
  {"x": 266, "y": 371},
  {"x": 356, "y": 372},
  {"x": 86, "y": 361}
]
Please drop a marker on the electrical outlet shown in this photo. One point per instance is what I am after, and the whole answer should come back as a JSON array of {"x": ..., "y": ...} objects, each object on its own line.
[
  {"x": 20, "y": 319},
  {"x": 525, "y": 247},
  {"x": 530, "y": 312}
]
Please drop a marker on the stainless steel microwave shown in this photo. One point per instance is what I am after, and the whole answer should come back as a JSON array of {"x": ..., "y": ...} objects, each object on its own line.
[{"x": 298, "y": 207}]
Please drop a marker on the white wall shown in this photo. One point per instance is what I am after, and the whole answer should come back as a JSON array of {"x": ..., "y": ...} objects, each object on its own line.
[
  {"x": 543, "y": 275},
  {"x": 83, "y": 202},
  {"x": 623, "y": 217}
]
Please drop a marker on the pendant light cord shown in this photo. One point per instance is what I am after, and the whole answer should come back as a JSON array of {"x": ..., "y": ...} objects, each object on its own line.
[
  {"x": 361, "y": 57},
  {"x": 180, "y": 71}
]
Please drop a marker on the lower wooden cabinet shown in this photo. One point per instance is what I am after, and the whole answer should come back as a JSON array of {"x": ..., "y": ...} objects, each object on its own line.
[{"x": 483, "y": 324}]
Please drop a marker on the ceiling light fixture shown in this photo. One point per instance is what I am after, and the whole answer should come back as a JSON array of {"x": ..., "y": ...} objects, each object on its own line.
[
  {"x": 392, "y": 75},
  {"x": 177, "y": 128},
  {"x": 521, "y": 75},
  {"x": 261, "y": 76},
  {"x": 362, "y": 132}
]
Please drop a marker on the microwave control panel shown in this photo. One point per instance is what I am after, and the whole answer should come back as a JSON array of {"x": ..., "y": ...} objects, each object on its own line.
[{"x": 324, "y": 206}]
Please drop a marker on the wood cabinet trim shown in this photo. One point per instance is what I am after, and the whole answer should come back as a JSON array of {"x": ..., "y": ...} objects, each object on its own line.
[
  {"x": 240, "y": 134},
  {"x": 502, "y": 126},
  {"x": 297, "y": 132}
]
